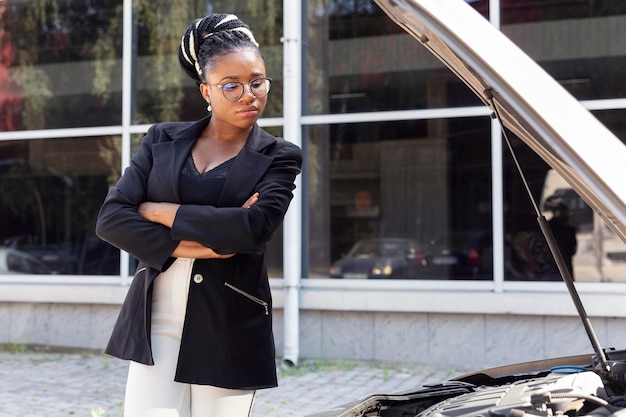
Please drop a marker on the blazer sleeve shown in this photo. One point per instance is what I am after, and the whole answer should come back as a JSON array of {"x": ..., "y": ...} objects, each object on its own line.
[
  {"x": 239, "y": 230},
  {"x": 121, "y": 225}
]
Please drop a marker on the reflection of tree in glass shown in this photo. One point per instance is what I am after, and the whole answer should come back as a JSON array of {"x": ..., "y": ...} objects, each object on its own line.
[
  {"x": 53, "y": 48},
  {"x": 22, "y": 198},
  {"x": 110, "y": 152},
  {"x": 164, "y": 93},
  {"x": 66, "y": 57}
]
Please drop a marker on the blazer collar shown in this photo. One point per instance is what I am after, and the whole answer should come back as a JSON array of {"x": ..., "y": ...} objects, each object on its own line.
[
  {"x": 186, "y": 130},
  {"x": 257, "y": 140},
  {"x": 248, "y": 166}
]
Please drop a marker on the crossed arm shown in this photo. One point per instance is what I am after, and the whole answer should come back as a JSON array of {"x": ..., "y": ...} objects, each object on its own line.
[{"x": 165, "y": 213}]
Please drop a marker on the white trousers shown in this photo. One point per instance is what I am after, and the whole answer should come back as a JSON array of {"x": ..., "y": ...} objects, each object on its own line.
[{"x": 151, "y": 390}]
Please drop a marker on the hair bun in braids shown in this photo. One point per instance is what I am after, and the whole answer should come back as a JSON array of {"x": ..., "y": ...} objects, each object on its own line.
[{"x": 211, "y": 37}]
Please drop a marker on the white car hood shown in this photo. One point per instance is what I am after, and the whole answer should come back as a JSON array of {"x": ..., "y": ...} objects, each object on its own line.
[{"x": 529, "y": 102}]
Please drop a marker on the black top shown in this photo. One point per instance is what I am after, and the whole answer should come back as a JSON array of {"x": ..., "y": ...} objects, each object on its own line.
[{"x": 202, "y": 188}]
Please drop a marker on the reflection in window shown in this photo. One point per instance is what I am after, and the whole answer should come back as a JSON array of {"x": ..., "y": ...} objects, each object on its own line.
[
  {"x": 164, "y": 92},
  {"x": 15, "y": 261},
  {"x": 614, "y": 120},
  {"x": 556, "y": 35},
  {"x": 423, "y": 184},
  {"x": 60, "y": 64},
  {"x": 519, "y": 11},
  {"x": 359, "y": 60},
  {"x": 50, "y": 193},
  {"x": 394, "y": 258},
  {"x": 589, "y": 248},
  {"x": 363, "y": 18}
]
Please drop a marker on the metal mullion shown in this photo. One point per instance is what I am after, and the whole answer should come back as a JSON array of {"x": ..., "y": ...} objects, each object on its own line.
[{"x": 126, "y": 111}]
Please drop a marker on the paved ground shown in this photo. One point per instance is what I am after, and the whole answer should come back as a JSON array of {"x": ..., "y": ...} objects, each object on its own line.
[{"x": 39, "y": 384}]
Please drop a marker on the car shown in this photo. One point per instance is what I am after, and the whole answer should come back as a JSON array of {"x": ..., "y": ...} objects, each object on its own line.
[
  {"x": 375, "y": 258},
  {"x": 13, "y": 261},
  {"x": 56, "y": 257},
  {"x": 461, "y": 255},
  {"x": 530, "y": 104}
]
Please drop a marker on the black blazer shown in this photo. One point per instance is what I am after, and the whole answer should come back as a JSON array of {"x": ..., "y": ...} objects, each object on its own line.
[{"x": 227, "y": 336}]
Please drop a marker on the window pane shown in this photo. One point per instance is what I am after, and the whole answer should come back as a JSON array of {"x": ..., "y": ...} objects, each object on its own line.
[
  {"x": 60, "y": 64},
  {"x": 520, "y": 11},
  {"x": 579, "y": 43},
  {"x": 359, "y": 60},
  {"x": 481, "y": 6},
  {"x": 274, "y": 251},
  {"x": 615, "y": 120},
  {"x": 163, "y": 91},
  {"x": 526, "y": 253},
  {"x": 50, "y": 194},
  {"x": 421, "y": 189},
  {"x": 586, "y": 243}
]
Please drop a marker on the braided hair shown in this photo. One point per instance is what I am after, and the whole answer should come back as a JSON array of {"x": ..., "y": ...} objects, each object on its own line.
[{"x": 209, "y": 39}]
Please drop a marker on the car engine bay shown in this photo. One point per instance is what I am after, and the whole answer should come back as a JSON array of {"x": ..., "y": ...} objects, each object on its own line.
[
  {"x": 557, "y": 394},
  {"x": 596, "y": 390}
]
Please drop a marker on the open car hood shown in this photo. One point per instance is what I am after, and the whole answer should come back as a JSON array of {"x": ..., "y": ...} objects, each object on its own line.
[{"x": 528, "y": 101}]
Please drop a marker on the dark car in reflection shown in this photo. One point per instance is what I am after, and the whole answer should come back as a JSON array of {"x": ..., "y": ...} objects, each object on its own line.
[
  {"x": 461, "y": 255},
  {"x": 13, "y": 261},
  {"x": 377, "y": 258}
]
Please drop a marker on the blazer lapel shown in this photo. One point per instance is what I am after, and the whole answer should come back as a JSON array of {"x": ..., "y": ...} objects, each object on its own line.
[
  {"x": 169, "y": 158},
  {"x": 171, "y": 151},
  {"x": 247, "y": 169}
]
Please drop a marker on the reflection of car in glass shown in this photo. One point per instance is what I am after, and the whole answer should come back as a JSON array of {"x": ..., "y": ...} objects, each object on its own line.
[
  {"x": 533, "y": 106},
  {"x": 57, "y": 257},
  {"x": 601, "y": 255},
  {"x": 91, "y": 257},
  {"x": 14, "y": 261},
  {"x": 460, "y": 255},
  {"x": 380, "y": 258}
]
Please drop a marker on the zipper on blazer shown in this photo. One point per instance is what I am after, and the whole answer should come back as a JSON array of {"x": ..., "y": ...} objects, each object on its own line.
[{"x": 250, "y": 297}]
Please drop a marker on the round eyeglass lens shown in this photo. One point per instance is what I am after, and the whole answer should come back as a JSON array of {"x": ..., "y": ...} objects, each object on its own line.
[
  {"x": 260, "y": 87},
  {"x": 234, "y": 90}
]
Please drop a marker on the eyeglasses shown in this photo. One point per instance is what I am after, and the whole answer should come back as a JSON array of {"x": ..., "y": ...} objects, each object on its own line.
[{"x": 234, "y": 90}]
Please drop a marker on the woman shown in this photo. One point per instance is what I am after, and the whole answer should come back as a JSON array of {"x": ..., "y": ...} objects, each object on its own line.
[{"x": 196, "y": 208}]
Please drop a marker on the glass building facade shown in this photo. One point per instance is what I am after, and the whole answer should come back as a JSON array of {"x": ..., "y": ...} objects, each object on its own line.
[{"x": 405, "y": 176}]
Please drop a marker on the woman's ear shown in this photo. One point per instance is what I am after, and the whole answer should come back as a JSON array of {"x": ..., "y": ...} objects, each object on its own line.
[{"x": 205, "y": 91}]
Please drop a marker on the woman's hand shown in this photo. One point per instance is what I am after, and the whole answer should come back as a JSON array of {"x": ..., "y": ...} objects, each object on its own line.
[
  {"x": 254, "y": 198},
  {"x": 189, "y": 249},
  {"x": 163, "y": 213}
]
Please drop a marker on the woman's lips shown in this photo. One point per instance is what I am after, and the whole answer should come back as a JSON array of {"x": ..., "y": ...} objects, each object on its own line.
[{"x": 249, "y": 111}]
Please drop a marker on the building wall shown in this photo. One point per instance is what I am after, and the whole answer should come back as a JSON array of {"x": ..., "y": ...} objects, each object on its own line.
[
  {"x": 452, "y": 340},
  {"x": 465, "y": 341},
  {"x": 83, "y": 326}
]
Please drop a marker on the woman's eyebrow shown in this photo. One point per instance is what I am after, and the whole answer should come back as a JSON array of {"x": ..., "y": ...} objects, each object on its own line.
[{"x": 236, "y": 77}]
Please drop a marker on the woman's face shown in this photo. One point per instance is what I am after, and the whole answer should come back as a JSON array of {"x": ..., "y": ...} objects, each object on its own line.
[{"x": 243, "y": 67}]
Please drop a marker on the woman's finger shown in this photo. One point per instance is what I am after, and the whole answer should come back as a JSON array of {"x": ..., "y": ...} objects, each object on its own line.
[{"x": 254, "y": 198}]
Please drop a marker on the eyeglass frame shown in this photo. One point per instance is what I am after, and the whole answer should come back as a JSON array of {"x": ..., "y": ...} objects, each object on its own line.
[{"x": 243, "y": 88}]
